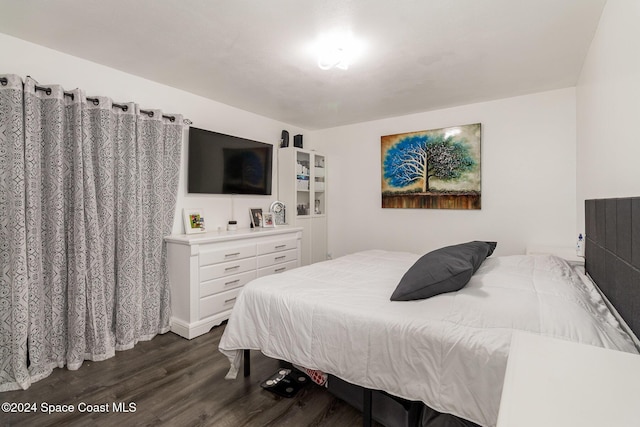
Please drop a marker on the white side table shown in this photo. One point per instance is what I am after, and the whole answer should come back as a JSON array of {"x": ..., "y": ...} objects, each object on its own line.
[{"x": 551, "y": 382}]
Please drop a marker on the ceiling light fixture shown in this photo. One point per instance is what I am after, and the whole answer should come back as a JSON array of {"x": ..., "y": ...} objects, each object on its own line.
[
  {"x": 336, "y": 51},
  {"x": 329, "y": 58}
]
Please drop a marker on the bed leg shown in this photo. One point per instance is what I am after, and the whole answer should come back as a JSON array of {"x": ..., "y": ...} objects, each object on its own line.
[
  {"x": 247, "y": 363},
  {"x": 366, "y": 408}
]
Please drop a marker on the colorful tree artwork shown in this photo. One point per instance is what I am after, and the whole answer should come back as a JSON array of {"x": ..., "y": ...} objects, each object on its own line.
[{"x": 437, "y": 168}]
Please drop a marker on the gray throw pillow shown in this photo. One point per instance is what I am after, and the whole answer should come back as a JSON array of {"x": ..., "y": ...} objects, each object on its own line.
[{"x": 446, "y": 269}]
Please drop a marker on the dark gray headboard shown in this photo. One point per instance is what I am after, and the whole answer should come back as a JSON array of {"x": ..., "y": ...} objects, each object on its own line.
[{"x": 612, "y": 256}]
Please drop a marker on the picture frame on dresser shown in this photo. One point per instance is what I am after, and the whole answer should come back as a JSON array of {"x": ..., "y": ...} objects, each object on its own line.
[
  {"x": 193, "y": 221},
  {"x": 256, "y": 217},
  {"x": 267, "y": 220}
]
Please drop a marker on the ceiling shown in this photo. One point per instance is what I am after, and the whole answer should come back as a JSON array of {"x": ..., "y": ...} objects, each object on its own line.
[{"x": 418, "y": 55}]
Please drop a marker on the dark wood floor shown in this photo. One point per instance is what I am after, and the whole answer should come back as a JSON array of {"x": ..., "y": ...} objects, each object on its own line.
[{"x": 176, "y": 382}]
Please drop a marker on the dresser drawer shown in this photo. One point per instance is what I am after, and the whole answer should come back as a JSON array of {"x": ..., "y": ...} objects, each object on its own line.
[
  {"x": 277, "y": 246},
  {"x": 218, "y": 303},
  {"x": 278, "y": 268},
  {"x": 215, "y": 255},
  {"x": 224, "y": 269},
  {"x": 211, "y": 287},
  {"x": 277, "y": 258}
]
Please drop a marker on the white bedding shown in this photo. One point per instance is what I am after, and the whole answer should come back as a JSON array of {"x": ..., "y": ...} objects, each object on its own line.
[{"x": 449, "y": 351}]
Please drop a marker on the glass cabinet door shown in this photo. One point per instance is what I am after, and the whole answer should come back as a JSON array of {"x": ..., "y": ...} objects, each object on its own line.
[
  {"x": 303, "y": 184},
  {"x": 318, "y": 185}
]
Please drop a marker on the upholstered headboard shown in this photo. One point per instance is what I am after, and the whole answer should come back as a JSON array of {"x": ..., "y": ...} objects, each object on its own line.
[{"x": 612, "y": 256}]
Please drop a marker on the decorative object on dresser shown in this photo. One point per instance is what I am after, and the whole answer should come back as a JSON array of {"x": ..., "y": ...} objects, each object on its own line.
[
  {"x": 432, "y": 169},
  {"x": 193, "y": 221},
  {"x": 267, "y": 220},
  {"x": 206, "y": 272},
  {"x": 279, "y": 212},
  {"x": 256, "y": 217},
  {"x": 302, "y": 186}
]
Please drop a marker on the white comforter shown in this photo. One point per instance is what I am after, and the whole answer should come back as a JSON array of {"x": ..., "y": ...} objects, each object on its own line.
[{"x": 449, "y": 351}]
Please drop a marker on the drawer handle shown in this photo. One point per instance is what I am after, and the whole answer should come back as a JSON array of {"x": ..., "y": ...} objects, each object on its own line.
[
  {"x": 227, "y": 301},
  {"x": 232, "y": 282},
  {"x": 230, "y": 255},
  {"x": 231, "y": 268},
  {"x": 281, "y": 246},
  {"x": 281, "y": 257},
  {"x": 278, "y": 270}
]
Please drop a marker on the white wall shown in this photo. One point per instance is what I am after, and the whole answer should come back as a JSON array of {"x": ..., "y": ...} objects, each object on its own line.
[
  {"x": 51, "y": 67},
  {"x": 528, "y": 160},
  {"x": 608, "y": 108},
  {"x": 528, "y": 179}
]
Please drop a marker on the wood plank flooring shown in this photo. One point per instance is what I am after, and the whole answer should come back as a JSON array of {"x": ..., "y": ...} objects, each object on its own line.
[{"x": 175, "y": 382}]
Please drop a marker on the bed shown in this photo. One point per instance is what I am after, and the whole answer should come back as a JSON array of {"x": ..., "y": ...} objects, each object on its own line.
[{"x": 448, "y": 351}]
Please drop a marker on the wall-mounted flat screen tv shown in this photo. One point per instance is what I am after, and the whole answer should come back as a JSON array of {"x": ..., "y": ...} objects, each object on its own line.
[{"x": 225, "y": 164}]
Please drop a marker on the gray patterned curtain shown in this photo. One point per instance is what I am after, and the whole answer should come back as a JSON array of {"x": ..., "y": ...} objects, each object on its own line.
[{"x": 88, "y": 190}]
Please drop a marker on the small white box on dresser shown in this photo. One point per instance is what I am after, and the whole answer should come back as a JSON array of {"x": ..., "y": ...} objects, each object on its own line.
[{"x": 207, "y": 271}]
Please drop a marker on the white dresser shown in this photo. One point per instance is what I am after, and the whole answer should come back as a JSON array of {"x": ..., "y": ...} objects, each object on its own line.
[{"x": 207, "y": 271}]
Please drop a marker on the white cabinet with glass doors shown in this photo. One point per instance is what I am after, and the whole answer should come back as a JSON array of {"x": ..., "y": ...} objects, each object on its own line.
[{"x": 302, "y": 186}]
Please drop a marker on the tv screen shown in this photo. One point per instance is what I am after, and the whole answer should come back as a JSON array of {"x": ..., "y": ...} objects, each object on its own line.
[{"x": 225, "y": 164}]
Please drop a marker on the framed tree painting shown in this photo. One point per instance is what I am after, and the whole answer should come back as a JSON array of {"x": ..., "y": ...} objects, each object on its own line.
[{"x": 432, "y": 169}]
